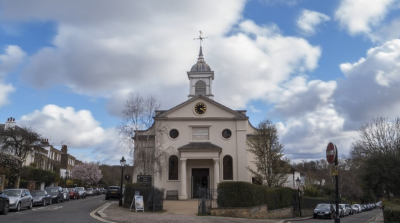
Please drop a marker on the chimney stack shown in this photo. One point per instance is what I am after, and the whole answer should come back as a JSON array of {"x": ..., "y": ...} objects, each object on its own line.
[
  {"x": 10, "y": 123},
  {"x": 64, "y": 149}
]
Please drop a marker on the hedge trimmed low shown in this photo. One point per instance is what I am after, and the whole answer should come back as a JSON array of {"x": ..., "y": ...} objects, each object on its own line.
[
  {"x": 391, "y": 212},
  {"x": 245, "y": 194}
]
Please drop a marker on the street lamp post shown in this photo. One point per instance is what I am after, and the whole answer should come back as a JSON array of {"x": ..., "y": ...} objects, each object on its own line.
[
  {"x": 298, "y": 181},
  {"x": 122, "y": 162}
]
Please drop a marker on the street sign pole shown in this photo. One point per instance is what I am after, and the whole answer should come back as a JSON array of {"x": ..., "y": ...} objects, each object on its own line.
[
  {"x": 337, "y": 217},
  {"x": 332, "y": 157}
]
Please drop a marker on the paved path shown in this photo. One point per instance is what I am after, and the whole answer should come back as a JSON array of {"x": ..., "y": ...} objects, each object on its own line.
[{"x": 185, "y": 212}]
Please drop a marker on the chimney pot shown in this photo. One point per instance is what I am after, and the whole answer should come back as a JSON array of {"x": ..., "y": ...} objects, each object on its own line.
[
  {"x": 13, "y": 119},
  {"x": 8, "y": 119}
]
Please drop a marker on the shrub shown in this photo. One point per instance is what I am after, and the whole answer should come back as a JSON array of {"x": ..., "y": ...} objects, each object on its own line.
[
  {"x": 244, "y": 194},
  {"x": 146, "y": 192},
  {"x": 391, "y": 212}
]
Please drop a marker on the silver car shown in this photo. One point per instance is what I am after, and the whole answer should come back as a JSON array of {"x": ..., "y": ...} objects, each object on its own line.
[
  {"x": 81, "y": 191},
  {"x": 89, "y": 191},
  {"x": 19, "y": 198},
  {"x": 41, "y": 197}
]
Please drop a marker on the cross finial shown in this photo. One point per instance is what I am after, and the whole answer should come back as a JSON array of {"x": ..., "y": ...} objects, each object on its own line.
[{"x": 200, "y": 37}]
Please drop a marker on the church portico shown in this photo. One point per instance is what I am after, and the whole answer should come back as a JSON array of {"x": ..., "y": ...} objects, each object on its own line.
[{"x": 199, "y": 167}]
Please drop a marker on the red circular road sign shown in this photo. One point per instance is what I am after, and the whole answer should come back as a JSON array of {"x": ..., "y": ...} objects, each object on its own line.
[{"x": 331, "y": 153}]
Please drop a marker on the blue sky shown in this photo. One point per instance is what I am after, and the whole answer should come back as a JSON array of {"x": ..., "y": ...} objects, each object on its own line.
[{"x": 318, "y": 68}]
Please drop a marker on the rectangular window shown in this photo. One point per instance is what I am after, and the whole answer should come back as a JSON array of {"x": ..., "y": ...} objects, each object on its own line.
[{"x": 200, "y": 133}]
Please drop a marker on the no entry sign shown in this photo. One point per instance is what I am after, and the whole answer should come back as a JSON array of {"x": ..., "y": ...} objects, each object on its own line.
[{"x": 331, "y": 153}]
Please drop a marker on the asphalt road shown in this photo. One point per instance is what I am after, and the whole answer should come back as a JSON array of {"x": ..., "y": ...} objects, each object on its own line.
[
  {"x": 73, "y": 211},
  {"x": 355, "y": 218}
]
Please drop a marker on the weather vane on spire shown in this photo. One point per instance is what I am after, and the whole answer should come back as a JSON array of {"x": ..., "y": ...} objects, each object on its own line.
[{"x": 200, "y": 37}]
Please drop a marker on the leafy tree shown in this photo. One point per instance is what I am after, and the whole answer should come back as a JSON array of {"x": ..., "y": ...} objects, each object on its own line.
[
  {"x": 271, "y": 165},
  {"x": 10, "y": 166},
  {"x": 89, "y": 173}
]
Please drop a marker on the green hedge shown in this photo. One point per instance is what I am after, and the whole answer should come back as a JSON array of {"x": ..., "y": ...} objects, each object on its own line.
[
  {"x": 391, "y": 212},
  {"x": 312, "y": 202},
  {"x": 244, "y": 194}
]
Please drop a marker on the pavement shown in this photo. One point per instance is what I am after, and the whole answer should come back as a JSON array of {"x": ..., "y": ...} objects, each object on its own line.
[
  {"x": 174, "y": 211},
  {"x": 377, "y": 219},
  {"x": 180, "y": 212}
]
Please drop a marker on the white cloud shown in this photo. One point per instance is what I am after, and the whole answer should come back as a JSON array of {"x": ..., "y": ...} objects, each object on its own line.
[
  {"x": 78, "y": 128},
  {"x": 308, "y": 21},
  {"x": 12, "y": 57},
  {"x": 360, "y": 16},
  {"x": 372, "y": 85},
  {"x": 95, "y": 53}
]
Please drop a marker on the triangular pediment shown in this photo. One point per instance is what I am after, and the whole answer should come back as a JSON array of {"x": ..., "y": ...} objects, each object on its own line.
[{"x": 214, "y": 110}]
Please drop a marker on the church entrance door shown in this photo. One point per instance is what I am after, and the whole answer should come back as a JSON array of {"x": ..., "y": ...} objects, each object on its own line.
[{"x": 200, "y": 179}]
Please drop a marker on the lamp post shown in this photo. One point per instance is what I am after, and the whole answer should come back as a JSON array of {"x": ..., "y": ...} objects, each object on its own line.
[
  {"x": 122, "y": 162},
  {"x": 298, "y": 181},
  {"x": 66, "y": 178}
]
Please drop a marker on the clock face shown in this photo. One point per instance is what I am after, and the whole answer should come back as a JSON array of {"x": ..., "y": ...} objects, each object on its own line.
[{"x": 200, "y": 108}]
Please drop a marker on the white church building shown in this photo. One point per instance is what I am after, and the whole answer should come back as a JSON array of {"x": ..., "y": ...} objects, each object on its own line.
[{"x": 206, "y": 140}]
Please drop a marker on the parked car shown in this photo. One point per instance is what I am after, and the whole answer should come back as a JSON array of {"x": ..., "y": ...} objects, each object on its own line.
[
  {"x": 102, "y": 190},
  {"x": 345, "y": 210},
  {"x": 19, "y": 198},
  {"x": 112, "y": 192},
  {"x": 41, "y": 197},
  {"x": 73, "y": 193},
  {"x": 89, "y": 191},
  {"x": 356, "y": 208},
  {"x": 81, "y": 191},
  {"x": 4, "y": 203},
  {"x": 348, "y": 207},
  {"x": 341, "y": 211},
  {"x": 66, "y": 194},
  {"x": 57, "y": 195},
  {"x": 324, "y": 211},
  {"x": 97, "y": 191}
]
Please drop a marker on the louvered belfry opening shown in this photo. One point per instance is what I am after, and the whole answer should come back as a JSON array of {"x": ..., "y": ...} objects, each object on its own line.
[{"x": 200, "y": 88}]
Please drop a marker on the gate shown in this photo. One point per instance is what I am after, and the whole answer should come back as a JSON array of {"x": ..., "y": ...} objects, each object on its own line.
[{"x": 207, "y": 199}]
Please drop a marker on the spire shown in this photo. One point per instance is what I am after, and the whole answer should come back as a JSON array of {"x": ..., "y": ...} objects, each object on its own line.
[
  {"x": 201, "y": 58},
  {"x": 201, "y": 52}
]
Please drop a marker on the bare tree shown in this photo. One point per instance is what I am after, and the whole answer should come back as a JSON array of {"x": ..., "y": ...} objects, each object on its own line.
[
  {"x": 271, "y": 166},
  {"x": 142, "y": 136},
  {"x": 377, "y": 153},
  {"x": 19, "y": 141}
]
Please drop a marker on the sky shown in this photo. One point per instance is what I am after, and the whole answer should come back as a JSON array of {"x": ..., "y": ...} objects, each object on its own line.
[{"x": 318, "y": 69}]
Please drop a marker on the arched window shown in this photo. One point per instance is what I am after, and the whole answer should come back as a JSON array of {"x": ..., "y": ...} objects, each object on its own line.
[
  {"x": 228, "y": 168},
  {"x": 173, "y": 168},
  {"x": 200, "y": 88}
]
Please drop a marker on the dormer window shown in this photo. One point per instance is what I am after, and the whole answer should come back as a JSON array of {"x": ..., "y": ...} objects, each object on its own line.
[{"x": 200, "y": 88}]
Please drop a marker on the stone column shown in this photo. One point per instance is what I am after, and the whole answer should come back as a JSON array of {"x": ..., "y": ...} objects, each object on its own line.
[
  {"x": 183, "y": 195},
  {"x": 216, "y": 173}
]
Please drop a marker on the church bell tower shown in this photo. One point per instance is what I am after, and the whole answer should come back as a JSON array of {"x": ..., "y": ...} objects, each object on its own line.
[{"x": 200, "y": 77}]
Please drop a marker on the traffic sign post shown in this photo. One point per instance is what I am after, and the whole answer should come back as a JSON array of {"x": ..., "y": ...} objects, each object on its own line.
[{"x": 332, "y": 158}]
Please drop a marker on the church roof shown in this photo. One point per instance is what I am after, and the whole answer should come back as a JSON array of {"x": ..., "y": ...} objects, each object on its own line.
[
  {"x": 238, "y": 114},
  {"x": 201, "y": 65},
  {"x": 201, "y": 145}
]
